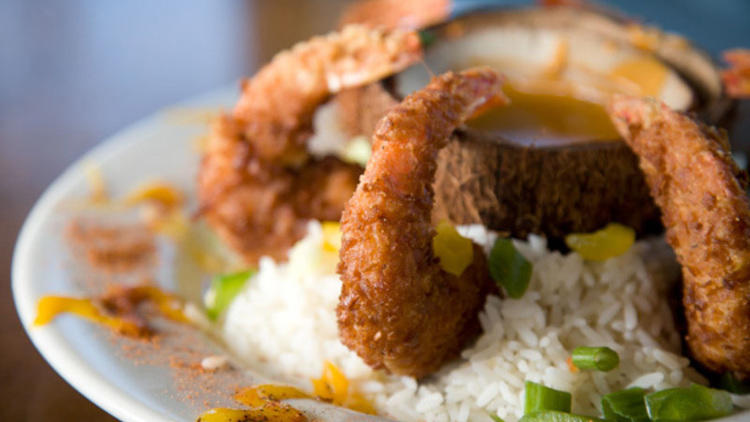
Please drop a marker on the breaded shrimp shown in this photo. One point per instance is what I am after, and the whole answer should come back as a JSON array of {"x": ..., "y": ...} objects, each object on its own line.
[
  {"x": 706, "y": 212},
  {"x": 411, "y": 14},
  {"x": 257, "y": 184},
  {"x": 260, "y": 208},
  {"x": 398, "y": 309},
  {"x": 278, "y": 103},
  {"x": 737, "y": 77}
]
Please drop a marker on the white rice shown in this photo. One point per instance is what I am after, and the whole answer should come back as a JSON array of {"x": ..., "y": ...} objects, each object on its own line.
[
  {"x": 285, "y": 317},
  {"x": 284, "y": 321}
]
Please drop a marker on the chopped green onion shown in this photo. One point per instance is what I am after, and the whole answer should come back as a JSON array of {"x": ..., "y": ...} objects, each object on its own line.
[
  {"x": 730, "y": 383},
  {"x": 222, "y": 291},
  {"x": 509, "y": 268},
  {"x": 539, "y": 397},
  {"x": 557, "y": 416},
  {"x": 688, "y": 404},
  {"x": 495, "y": 417},
  {"x": 625, "y": 406},
  {"x": 598, "y": 358}
]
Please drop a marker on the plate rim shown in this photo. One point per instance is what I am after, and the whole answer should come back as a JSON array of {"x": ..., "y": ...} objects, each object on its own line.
[{"x": 48, "y": 341}]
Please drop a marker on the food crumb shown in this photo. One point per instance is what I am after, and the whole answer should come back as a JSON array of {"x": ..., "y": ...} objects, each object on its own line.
[{"x": 215, "y": 362}]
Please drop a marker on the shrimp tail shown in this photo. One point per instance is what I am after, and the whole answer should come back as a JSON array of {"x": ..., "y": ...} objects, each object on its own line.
[{"x": 706, "y": 212}]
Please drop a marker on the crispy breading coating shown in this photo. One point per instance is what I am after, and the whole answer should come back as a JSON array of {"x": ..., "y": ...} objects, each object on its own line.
[
  {"x": 260, "y": 208},
  {"x": 278, "y": 103},
  {"x": 257, "y": 185},
  {"x": 411, "y": 14},
  {"x": 398, "y": 309},
  {"x": 706, "y": 212},
  {"x": 737, "y": 77}
]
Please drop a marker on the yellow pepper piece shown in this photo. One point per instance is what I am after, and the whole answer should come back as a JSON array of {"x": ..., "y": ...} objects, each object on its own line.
[
  {"x": 224, "y": 415},
  {"x": 265, "y": 401},
  {"x": 331, "y": 236},
  {"x": 455, "y": 251},
  {"x": 271, "y": 411},
  {"x": 324, "y": 387},
  {"x": 321, "y": 389},
  {"x": 158, "y": 192},
  {"x": 261, "y": 394},
  {"x": 338, "y": 382},
  {"x": 333, "y": 386},
  {"x": 609, "y": 242}
]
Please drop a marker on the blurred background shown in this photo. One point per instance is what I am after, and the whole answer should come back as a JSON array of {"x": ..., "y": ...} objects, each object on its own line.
[{"x": 74, "y": 72}]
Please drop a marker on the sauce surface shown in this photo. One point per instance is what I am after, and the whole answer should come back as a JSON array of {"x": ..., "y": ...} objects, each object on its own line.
[
  {"x": 115, "y": 310},
  {"x": 542, "y": 119}
]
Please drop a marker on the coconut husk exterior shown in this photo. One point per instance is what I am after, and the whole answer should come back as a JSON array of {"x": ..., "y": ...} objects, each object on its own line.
[
  {"x": 360, "y": 109},
  {"x": 549, "y": 191}
]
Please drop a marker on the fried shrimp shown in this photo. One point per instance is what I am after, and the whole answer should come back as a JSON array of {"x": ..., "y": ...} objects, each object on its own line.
[
  {"x": 398, "y": 309},
  {"x": 706, "y": 212},
  {"x": 413, "y": 14},
  {"x": 278, "y": 103},
  {"x": 258, "y": 185},
  {"x": 737, "y": 77}
]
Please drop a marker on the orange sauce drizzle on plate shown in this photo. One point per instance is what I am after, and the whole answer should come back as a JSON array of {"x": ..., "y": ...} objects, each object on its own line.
[
  {"x": 122, "y": 320},
  {"x": 49, "y": 307}
]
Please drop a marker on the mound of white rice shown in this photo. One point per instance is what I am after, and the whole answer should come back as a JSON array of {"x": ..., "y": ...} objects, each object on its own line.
[{"x": 284, "y": 321}]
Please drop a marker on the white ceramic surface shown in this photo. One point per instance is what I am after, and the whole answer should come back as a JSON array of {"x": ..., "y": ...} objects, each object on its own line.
[{"x": 152, "y": 148}]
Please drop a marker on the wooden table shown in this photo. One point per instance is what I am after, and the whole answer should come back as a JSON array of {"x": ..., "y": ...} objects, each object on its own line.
[{"x": 74, "y": 72}]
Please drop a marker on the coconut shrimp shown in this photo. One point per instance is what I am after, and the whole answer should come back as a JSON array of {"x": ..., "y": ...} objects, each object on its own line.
[
  {"x": 277, "y": 105},
  {"x": 258, "y": 185},
  {"x": 398, "y": 309},
  {"x": 706, "y": 212},
  {"x": 737, "y": 77},
  {"x": 413, "y": 14}
]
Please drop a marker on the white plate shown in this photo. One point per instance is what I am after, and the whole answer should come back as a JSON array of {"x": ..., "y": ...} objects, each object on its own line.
[
  {"x": 74, "y": 348},
  {"x": 82, "y": 353},
  {"x": 85, "y": 355}
]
